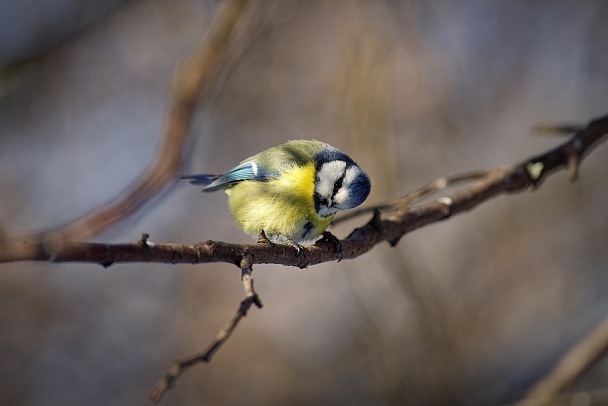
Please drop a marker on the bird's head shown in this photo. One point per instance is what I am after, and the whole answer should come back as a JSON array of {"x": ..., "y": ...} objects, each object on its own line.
[{"x": 340, "y": 183}]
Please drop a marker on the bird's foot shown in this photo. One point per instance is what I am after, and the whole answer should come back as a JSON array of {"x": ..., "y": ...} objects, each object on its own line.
[
  {"x": 299, "y": 249},
  {"x": 333, "y": 240},
  {"x": 263, "y": 239}
]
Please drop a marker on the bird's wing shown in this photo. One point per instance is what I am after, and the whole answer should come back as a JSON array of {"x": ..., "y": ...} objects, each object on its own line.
[
  {"x": 264, "y": 166},
  {"x": 245, "y": 171}
]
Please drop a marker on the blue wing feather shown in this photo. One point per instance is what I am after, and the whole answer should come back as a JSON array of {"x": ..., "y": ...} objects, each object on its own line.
[{"x": 245, "y": 171}]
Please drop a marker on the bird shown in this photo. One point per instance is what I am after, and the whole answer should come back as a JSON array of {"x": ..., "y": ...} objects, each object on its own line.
[{"x": 291, "y": 191}]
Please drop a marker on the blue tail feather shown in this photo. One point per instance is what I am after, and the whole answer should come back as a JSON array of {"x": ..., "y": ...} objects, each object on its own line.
[{"x": 201, "y": 179}]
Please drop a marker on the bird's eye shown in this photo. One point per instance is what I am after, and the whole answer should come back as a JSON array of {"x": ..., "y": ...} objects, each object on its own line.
[{"x": 337, "y": 186}]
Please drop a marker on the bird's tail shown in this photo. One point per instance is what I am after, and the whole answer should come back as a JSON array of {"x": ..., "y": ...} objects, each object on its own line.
[{"x": 202, "y": 179}]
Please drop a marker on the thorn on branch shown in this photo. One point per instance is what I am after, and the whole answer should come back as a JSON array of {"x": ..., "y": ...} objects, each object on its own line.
[
  {"x": 143, "y": 241},
  {"x": 574, "y": 158},
  {"x": 376, "y": 221},
  {"x": 394, "y": 241},
  {"x": 447, "y": 204},
  {"x": 573, "y": 165},
  {"x": 262, "y": 239}
]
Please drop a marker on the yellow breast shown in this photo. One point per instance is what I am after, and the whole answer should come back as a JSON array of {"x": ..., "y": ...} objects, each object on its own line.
[{"x": 280, "y": 206}]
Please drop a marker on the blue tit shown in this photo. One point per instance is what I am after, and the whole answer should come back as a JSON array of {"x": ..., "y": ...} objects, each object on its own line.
[{"x": 291, "y": 191}]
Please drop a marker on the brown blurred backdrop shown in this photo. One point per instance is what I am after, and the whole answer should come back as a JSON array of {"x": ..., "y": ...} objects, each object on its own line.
[{"x": 471, "y": 311}]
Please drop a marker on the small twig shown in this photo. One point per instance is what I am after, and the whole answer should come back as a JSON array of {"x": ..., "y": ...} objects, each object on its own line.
[
  {"x": 404, "y": 202},
  {"x": 557, "y": 129},
  {"x": 247, "y": 278},
  {"x": 179, "y": 366}
]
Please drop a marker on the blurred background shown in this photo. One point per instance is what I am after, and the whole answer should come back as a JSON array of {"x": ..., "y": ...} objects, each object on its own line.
[{"x": 471, "y": 311}]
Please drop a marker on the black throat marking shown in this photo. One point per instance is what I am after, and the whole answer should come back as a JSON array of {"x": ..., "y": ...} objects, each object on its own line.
[{"x": 308, "y": 227}]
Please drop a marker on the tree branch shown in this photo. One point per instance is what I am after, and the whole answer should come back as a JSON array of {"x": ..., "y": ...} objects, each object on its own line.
[{"x": 490, "y": 183}]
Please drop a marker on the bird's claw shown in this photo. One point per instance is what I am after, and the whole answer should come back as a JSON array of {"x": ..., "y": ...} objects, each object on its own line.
[
  {"x": 299, "y": 249},
  {"x": 335, "y": 241}
]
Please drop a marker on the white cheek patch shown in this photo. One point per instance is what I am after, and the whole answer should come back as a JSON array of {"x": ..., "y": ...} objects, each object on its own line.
[
  {"x": 350, "y": 175},
  {"x": 328, "y": 174},
  {"x": 342, "y": 196}
]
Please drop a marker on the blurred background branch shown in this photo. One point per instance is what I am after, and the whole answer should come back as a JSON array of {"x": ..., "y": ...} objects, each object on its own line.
[
  {"x": 586, "y": 353},
  {"x": 192, "y": 81}
]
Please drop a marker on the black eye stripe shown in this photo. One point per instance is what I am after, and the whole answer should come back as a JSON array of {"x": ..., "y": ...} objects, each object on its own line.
[{"x": 337, "y": 186}]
